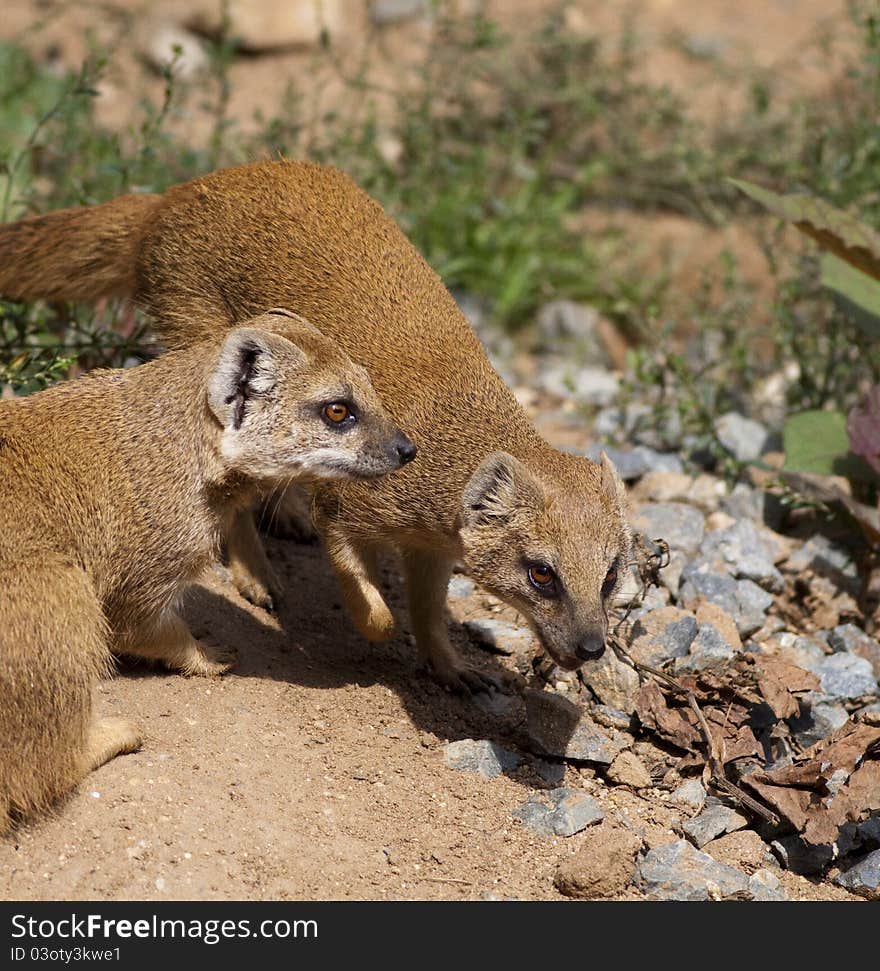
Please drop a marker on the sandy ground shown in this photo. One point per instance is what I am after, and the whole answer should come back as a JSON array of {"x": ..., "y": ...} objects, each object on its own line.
[{"x": 315, "y": 769}]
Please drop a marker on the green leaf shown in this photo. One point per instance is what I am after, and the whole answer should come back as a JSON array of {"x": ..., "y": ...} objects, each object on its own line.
[
  {"x": 833, "y": 229},
  {"x": 816, "y": 441},
  {"x": 856, "y": 292}
]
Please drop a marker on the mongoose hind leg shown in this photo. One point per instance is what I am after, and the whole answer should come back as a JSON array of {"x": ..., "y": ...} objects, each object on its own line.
[
  {"x": 427, "y": 579},
  {"x": 107, "y": 738},
  {"x": 249, "y": 567},
  {"x": 358, "y": 574},
  {"x": 168, "y": 640}
]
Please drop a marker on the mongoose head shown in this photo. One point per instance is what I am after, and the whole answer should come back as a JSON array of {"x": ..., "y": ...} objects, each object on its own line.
[
  {"x": 555, "y": 545},
  {"x": 291, "y": 404}
]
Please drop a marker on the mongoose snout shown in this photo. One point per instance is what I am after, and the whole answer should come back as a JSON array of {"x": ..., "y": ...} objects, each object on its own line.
[{"x": 404, "y": 449}]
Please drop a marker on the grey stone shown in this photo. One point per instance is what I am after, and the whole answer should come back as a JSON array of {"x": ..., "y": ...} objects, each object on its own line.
[
  {"x": 591, "y": 385},
  {"x": 557, "y": 727},
  {"x": 745, "y": 552},
  {"x": 481, "y": 756},
  {"x": 764, "y": 885},
  {"x": 846, "y": 676},
  {"x": 718, "y": 588},
  {"x": 752, "y": 606},
  {"x": 612, "y": 681},
  {"x": 569, "y": 811},
  {"x": 659, "y": 461},
  {"x": 713, "y": 821},
  {"x": 689, "y": 795},
  {"x": 800, "y": 857},
  {"x": 632, "y": 464},
  {"x": 385, "y": 12},
  {"x": 629, "y": 463},
  {"x": 804, "y": 650},
  {"x": 848, "y": 637},
  {"x": 566, "y": 320},
  {"x": 614, "y": 423},
  {"x": 499, "y": 636},
  {"x": 677, "y": 871},
  {"x": 828, "y": 559},
  {"x": 550, "y": 772},
  {"x": 680, "y": 525},
  {"x": 818, "y": 719},
  {"x": 743, "y": 438},
  {"x": 673, "y": 641},
  {"x": 708, "y": 650},
  {"x": 747, "y": 502},
  {"x": 460, "y": 587},
  {"x": 864, "y": 877},
  {"x": 744, "y": 600},
  {"x": 613, "y": 717}
]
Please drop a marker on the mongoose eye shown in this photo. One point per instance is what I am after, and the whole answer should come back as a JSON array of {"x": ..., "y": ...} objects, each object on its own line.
[
  {"x": 338, "y": 413},
  {"x": 610, "y": 581},
  {"x": 543, "y": 579}
]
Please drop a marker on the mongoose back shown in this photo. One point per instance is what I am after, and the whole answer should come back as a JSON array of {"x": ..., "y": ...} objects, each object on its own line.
[
  {"x": 541, "y": 529},
  {"x": 115, "y": 490}
]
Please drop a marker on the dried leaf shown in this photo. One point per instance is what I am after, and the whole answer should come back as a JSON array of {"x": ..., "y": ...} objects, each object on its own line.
[
  {"x": 833, "y": 229},
  {"x": 672, "y": 724}
]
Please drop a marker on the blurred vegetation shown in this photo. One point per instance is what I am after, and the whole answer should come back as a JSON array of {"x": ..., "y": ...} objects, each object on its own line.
[{"x": 489, "y": 158}]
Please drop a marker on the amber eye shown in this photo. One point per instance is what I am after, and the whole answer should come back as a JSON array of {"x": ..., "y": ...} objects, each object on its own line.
[
  {"x": 336, "y": 412},
  {"x": 542, "y": 578},
  {"x": 610, "y": 580}
]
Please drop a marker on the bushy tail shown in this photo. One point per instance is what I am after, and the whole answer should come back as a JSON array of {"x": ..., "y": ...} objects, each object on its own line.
[
  {"x": 74, "y": 254},
  {"x": 53, "y": 649}
]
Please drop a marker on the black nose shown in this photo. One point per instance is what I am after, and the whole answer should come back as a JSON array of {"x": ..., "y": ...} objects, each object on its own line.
[
  {"x": 405, "y": 449},
  {"x": 590, "y": 648}
]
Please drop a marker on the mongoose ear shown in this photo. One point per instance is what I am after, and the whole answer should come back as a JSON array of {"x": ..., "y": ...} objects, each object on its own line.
[
  {"x": 247, "y": 367},
  {"x": 500, "y": 486},
  {"x": 612, "y": 484}
]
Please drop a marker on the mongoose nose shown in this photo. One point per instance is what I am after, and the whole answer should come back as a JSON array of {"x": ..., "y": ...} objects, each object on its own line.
[
  {"x": 590, "y": 648},
  {"x": 405, "y": 449}
]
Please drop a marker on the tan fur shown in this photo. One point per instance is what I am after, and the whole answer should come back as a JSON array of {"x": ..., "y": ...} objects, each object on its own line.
[
  {"x": 304, "y": 236},
  {"x": 114, "y": 493}
]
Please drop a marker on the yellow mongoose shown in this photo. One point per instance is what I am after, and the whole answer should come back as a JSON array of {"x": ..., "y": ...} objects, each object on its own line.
[
  {"x": 115, "y": 490},
  {"x": 541, "y": 529}
]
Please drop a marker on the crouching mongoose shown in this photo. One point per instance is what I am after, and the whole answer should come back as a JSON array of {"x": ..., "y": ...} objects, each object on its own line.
[
  {"x": 115, "y": 491},
  {"x": 542, "y": 530}
]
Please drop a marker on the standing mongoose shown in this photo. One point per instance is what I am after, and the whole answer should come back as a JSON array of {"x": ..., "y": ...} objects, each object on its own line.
[
  {"x": 543, "y": 530},
  {"x": 115, "y": 490}
]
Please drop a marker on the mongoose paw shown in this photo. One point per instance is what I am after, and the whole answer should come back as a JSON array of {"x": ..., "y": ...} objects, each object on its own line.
[
  {"x": 463, "y": 680},
  {"x": 267, "y": 596},
  {"x": 119, "y": 735},
  {"x": 379, "y": 624},
  {"x": 208, "y": 662}
]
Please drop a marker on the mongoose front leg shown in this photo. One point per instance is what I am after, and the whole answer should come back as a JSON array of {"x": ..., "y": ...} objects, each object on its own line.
[
  {"x": 107, "y": 738},
  {"x": 358, "y": 574},
  {"x": 427, "y": 578},
  {"x": 167, "y": 639},
  {"x": 249, "y": 566}
]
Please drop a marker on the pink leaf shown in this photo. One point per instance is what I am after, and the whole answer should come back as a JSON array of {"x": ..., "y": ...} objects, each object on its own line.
[{"x": 863, "y": 428}]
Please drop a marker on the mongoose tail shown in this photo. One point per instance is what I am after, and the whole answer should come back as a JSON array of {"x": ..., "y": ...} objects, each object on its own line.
[
  {"x": 49, "y": 738},
  {"x": 74, "y": 254}
]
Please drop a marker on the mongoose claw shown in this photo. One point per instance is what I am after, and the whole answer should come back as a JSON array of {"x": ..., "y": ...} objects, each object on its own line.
[
  {"x": 465, "y": 681},
  {"x": 256, "y": 593},
  {"x": 208, "y": 662}
]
